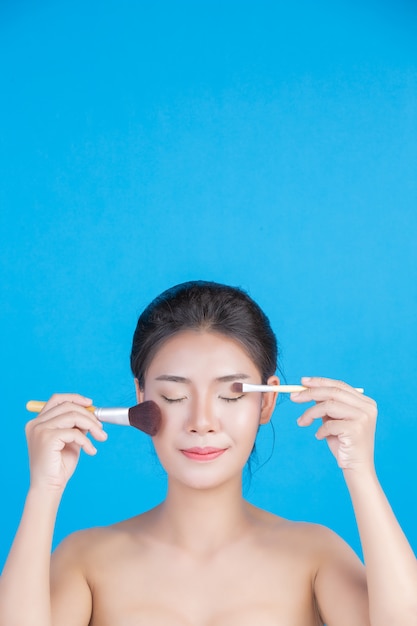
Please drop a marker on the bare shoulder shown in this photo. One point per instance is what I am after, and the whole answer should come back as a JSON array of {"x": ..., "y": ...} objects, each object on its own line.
[
  {"x": 338, "y": 579},
  {"x": 83, "y": 546},
  {"x": 312, "y": 538},
  {"x": 77, "y": 564},
  {"x": 325, "y": 548}
]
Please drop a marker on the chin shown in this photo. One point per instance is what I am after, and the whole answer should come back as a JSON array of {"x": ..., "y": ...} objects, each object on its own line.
[
  {"x": 205, "y": 480},
  {"x": 204, "y": 476}
]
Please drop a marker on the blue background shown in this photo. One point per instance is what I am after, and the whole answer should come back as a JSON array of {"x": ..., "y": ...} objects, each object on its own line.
[{"x": 270, "y": 145}]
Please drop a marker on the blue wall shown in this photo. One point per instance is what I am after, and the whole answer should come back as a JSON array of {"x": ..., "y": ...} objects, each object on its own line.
[{"x": 270, "y": 145}]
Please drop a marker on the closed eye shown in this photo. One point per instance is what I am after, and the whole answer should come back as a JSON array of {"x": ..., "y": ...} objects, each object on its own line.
[
  {"x": 171, "y": 400},
  {"x": 231, "y": 399}
]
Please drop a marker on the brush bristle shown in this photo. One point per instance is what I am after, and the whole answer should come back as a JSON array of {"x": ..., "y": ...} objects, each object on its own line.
[
  {"x": 237, "y": 387},
  {"x": 146, "y": 416}
]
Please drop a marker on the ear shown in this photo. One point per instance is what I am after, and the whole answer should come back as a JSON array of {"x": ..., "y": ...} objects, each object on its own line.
[
  {"x": 139, "y": 393},
  {"x": 269, "y": 399}
]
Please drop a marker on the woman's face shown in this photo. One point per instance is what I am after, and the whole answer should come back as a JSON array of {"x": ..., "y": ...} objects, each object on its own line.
[{"x": 208, "y": 430}]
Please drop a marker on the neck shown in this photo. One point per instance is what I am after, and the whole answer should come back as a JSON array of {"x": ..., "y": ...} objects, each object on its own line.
[{"x": 219, "y": 515}]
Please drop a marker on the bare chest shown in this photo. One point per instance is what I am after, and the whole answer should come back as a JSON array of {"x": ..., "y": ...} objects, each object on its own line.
[{"x": 235, "y": 589}]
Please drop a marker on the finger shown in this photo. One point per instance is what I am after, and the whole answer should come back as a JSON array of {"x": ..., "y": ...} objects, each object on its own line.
[
  {"x": 63, "y": 408},
  {"x": 321, "y": 381},
  {"x": 332, "y": 409},
  {"x": 346, "y": 394},
  {"x": 74, "y": 436},
  {"x": 75, "y": 419},
  {"x": 59, "y": 398},
  {"x": 333, "y": 428}
]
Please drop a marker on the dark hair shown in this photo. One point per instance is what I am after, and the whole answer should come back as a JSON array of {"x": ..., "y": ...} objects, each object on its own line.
[{"x": 205, "y": 306}]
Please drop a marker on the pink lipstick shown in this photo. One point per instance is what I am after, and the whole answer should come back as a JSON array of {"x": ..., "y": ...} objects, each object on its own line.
[{"x": 203, "y": 454}]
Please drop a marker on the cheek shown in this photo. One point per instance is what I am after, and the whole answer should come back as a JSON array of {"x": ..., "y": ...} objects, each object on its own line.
[
  {"x": 163, "y": 451},
  {"x": 244, "y": 422},
  {"x": 167, "y": 434},
  {"x": 249, "y": 409}
]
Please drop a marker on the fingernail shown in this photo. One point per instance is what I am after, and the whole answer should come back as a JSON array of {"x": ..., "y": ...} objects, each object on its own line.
[
  {"x": 294, "y": 394},
  {"x": 306, "y": 379}
]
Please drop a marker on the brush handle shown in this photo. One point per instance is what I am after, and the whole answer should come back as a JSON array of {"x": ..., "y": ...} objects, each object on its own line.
[
  {"x": 113, "y": 415},
  {"x": 248, "y": 387},
  {"x": 110, "y": 415},
  {"x": 35, "y": 406}
]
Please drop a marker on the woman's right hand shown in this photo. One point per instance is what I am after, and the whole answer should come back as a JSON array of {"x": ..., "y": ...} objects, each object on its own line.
[{"x": 55, "y": 439}]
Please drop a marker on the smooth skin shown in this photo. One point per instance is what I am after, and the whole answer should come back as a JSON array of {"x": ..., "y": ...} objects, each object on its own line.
[{"x": 205, "y": 556}]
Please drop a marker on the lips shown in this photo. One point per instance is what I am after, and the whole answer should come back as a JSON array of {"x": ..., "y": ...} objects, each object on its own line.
[{"x": 203, "y": 454}]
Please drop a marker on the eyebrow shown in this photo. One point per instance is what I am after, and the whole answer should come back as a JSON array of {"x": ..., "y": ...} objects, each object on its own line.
[
  {"x": 221, "y": 379},
  {"x": 173, "y": 379},
  {"x": 232, "y": 377}
]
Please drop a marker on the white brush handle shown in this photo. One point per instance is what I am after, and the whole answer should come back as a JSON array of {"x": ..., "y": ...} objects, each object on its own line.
[
  {"x": 248, "y": 387},
  {"x": 113, "y": 415}
]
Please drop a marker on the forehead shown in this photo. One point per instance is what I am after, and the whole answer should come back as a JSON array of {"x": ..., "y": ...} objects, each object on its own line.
[{"x": 198, "y": 350}]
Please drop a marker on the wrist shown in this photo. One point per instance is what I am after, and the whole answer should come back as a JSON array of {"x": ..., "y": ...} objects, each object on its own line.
[
  {"x": 44, "y": 495},
  {"x": 361, "y": 479}
]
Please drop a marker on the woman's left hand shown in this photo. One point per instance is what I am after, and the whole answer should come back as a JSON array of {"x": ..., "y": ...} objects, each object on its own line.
[{"x": 348, "y": 420}]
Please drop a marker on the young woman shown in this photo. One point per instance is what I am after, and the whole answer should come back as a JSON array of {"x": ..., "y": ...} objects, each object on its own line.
[{"x": 205, "y": 556}]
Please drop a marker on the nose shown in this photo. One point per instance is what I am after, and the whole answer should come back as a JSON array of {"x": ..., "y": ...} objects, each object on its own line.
[{"x": 202, "y": 418}]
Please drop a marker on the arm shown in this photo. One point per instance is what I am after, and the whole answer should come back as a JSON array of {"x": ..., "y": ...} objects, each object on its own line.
[
  {"x": 69, "y": 582},
  {"x": 349, "y": 420},
  {"x": 55, "y": 439},
  {"x": 26, "y": 572},
  {"x": 340, "y": 583},
  {"x": 390, "y": 563}
]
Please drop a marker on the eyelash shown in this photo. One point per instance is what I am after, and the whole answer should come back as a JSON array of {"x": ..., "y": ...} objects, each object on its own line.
[
  {"x": 172, "y": 400},
  {"x": 231, "y": 399}
]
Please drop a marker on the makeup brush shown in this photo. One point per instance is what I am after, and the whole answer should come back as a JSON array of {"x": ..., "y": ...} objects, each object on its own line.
[
  {"x": 248, "y": 387},
  {"x": 145, "y": 416}
]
